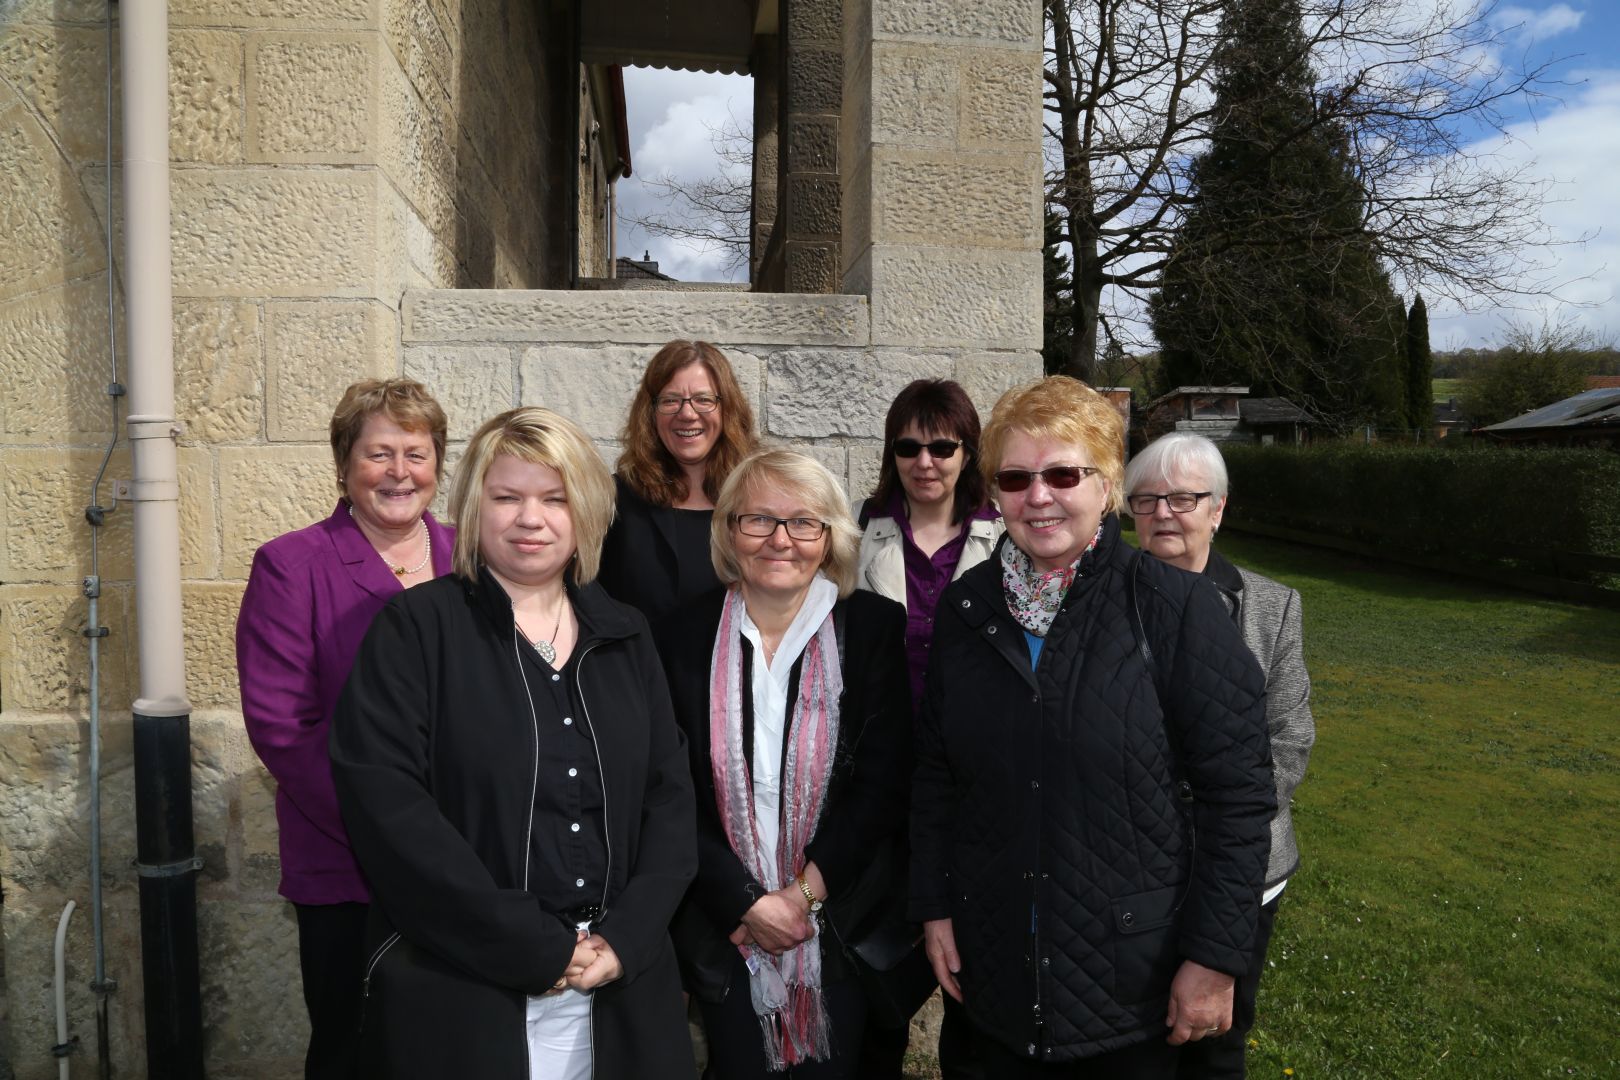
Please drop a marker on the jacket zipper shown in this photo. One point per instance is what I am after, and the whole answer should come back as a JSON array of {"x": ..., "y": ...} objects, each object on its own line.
[
  {"x": 528, "y": 833},
  {"x": 376, "y": 958}
]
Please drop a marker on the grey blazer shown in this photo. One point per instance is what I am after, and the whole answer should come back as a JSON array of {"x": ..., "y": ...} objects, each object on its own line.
[{"x": 1268, "y": 613}]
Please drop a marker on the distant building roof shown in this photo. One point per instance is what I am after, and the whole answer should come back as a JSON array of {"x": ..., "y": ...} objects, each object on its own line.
[
  {"x": 1272, "y": 410},
  {"x": 1603, "y": 382},
  {"x": 645, "y": 268},
  {"x": 1594, "y": 408},
  {"x": 1448, "y": 412}
]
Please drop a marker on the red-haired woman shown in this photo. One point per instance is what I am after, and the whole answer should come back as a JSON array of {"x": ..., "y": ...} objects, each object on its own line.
[{"x": 688, "y": 427}]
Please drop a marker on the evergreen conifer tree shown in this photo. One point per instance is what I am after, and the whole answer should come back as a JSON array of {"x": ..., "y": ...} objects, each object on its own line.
[
  {"x": 1272, "y": 281},
  {"x": 1057, "y": 295},
  {"x": 1419, "y": 367}
]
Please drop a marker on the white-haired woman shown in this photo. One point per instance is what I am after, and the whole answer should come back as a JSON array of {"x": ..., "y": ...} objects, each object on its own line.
[
  {"x": 517, "y": 792},
  {"x": 791, "y": 688},
  {"x": 1177, "y": 491}
]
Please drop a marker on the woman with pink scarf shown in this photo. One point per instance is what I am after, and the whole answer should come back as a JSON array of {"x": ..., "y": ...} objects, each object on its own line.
[{"x": 791, "y": 688}]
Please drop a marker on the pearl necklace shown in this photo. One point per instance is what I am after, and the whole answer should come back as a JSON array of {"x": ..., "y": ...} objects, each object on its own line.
[{"x": 401, "y": 570}]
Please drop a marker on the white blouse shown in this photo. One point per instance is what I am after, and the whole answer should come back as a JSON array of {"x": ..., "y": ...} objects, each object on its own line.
[{"x": 770, "y": 691}]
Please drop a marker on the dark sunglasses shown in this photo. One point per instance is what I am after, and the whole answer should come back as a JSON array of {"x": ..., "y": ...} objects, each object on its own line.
[
  {"x": 1057, "y": 476},
  {"x": 910, "y": 448}
]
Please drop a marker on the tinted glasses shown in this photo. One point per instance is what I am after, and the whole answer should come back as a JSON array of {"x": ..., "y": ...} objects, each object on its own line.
[
  {"x": 910, "y": 448},
  {"x": 1056, "y": 476}
]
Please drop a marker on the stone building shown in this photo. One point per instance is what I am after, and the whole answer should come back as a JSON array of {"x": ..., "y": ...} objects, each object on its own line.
[{"x": 366, "y": 187}]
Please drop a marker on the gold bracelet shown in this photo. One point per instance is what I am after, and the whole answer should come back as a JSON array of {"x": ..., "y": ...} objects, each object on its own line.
[{"x": 809, "y": 895}]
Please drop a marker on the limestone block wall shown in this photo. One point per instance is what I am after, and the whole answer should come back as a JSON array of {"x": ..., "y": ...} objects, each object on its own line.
[
  {"x": 814, "y": 375},
  {"x": 326, "y": 156}
]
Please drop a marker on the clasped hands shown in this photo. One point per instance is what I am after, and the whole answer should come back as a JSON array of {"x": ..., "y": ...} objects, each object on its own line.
[
  {"x": 594, "y": 962},
  {"x": 777, "y": 922}
]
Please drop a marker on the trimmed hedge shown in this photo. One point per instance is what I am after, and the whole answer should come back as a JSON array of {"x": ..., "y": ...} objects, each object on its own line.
[{"x": 1482, "y": 504}]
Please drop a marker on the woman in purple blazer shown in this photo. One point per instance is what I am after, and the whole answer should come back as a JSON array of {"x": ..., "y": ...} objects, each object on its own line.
[{"x": 310, "y": 599}]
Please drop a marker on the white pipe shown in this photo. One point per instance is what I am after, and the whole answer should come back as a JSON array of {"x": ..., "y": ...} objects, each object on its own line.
[
  {"x": 61, "y": 989},
  {"x": 144, "y": 30}
]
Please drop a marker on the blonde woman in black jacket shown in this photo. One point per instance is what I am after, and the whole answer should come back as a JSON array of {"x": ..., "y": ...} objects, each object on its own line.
[
  {"x": 517, "y": 792},
  {"x": 1093, "y": 790}
]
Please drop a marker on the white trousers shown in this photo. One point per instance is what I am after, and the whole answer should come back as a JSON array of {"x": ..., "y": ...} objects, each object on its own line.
[{"x": 560, "y": 1036}]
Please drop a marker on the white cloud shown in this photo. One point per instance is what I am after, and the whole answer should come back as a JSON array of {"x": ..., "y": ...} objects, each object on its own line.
[
  {"x": 1577, "y": 147},
  {"x": 1531, "y": 24},
  {"x": 671, "y": 114}
]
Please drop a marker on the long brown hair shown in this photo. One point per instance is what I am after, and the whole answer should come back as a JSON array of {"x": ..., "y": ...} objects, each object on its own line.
[{"x": 645, "y": 464}]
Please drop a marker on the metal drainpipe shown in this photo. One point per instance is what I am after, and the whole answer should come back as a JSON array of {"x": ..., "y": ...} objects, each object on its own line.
[{"x": 165, "y": 855}]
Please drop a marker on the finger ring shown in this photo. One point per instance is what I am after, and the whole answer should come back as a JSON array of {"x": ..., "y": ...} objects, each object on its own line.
[{"x": 1216, "y": 1030}]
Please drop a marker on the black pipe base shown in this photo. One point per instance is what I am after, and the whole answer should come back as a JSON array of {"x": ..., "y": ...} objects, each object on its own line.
[{"x": 167, "y": 865}]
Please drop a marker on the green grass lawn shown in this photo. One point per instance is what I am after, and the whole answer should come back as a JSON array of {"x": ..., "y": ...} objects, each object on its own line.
[
  {"x": 1446, "y": 388},
  {"x": 1457, "y": 912}
]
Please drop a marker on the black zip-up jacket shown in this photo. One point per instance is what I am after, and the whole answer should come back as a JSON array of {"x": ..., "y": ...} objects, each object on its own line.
[
  {"x": 866, "y": 794},
  {"x": 1049, "y": 820},
  {"x": 434, "y": 754}
]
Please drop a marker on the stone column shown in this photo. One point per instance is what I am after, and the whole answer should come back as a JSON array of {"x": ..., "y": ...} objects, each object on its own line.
[
  {"x": 766, "y": 65},
  {"x": 941, "y": 167},
  {"x": 810, "y": 188}
]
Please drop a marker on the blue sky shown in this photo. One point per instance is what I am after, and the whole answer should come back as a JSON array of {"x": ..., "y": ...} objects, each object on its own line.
[{"x": 1571, "y": 138}]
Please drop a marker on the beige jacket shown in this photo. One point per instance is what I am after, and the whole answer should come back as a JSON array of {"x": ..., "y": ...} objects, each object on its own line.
[{"x": 882, "y": 566}]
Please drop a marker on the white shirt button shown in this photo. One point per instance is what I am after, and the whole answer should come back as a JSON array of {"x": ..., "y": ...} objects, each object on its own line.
[
  {"x": 555, "y": 677},
  {"x": 573, "y": 772},
  {"x": 579, "y": 883},
  {"x": 568, "y": 720},
  {"x": 574, "y": 827}
]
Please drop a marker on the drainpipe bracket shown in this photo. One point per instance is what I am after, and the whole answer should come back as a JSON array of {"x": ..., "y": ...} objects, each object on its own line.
[
  {"x": 104, "y": 987},
  {"x": 95, "y": 631},
  {"x": 173, "y": 869},
  {"x": 92, "y": 586},
  {"x": 62, "y": 1050}
]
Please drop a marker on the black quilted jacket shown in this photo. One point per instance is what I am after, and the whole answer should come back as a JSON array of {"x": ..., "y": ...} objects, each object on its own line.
[{"x": 1055, "y": 811}]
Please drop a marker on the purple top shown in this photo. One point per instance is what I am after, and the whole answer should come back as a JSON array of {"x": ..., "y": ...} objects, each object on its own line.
[
  {"x": 310, "y": 598},
  {"x": 926, "y": 578}
]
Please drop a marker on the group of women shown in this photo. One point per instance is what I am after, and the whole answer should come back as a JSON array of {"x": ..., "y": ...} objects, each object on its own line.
[{"x": 700, "y": 730}]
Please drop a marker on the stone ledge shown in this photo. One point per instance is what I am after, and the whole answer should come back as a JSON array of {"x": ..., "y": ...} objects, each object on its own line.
[{"x": 634, "y": 318}]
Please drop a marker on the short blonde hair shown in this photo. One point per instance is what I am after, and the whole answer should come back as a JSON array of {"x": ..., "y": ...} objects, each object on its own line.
[
  {"x": 540, "y": 437},
  {"x": 800, "y": 476},
  {"x": 404, "y": 401},
  {"x": 1065, "y": 410}
]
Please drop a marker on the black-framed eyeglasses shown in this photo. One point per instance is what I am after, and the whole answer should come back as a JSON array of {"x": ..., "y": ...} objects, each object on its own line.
[
  {"x": 940, "y": 448},
  {"x": 1182, "y": 502},
  {"x": 763, "y": 525},
  {"x": 1054, "y": 476},
  {"x": 670, "y": 404}
]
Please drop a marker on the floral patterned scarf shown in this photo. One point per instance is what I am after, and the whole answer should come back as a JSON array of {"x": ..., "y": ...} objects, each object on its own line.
[{"x": 1034, "y": 596}]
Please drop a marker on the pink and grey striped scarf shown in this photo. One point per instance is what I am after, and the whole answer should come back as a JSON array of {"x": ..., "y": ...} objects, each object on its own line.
[{"x": 786, "y": 989}]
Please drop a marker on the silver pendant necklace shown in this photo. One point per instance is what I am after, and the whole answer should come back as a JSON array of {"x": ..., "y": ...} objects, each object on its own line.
[{"x": 544, "y": 646}]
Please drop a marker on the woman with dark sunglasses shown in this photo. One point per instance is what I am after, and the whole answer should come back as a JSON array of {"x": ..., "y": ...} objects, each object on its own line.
[
  {"x": 929, "y": 519},
  {"x": 1090, "y": 810},
  {"x": 926, "y": 524}
]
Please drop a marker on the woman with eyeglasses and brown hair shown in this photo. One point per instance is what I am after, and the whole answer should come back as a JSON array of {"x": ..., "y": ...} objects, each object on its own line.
[
  {"x": 1177, "y": 496},
  {"x": 791, "y": 689},
  {"x": 1091, "y": 804},
  {"x": 688, "y": 426}
]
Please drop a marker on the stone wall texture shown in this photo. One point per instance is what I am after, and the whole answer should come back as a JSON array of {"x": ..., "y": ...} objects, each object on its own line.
[
  {"x": 363, "y": 187},
  {"x": 327, "y": 155}
]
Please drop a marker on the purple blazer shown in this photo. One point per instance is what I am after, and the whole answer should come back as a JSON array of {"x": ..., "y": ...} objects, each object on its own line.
[{"x": 310, "y": 599}]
